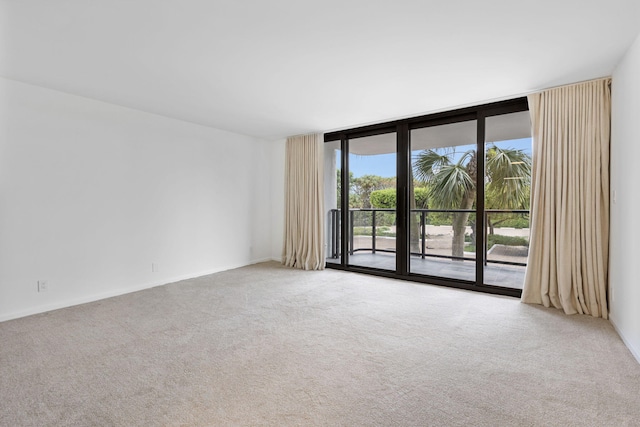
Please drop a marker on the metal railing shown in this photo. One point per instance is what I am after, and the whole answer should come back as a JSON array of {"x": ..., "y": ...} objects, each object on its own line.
[{"x": 335, "y": 222}]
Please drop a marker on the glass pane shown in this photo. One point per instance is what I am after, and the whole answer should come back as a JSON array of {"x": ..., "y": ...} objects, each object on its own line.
[
  {"x": 443, "y": 200},
  {"x": 332, "y": 172},
  {"x": 507, "y": 191},
  {"x": 372, "y": 201}
]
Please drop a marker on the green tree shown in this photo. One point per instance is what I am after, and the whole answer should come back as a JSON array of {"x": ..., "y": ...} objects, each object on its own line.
[
  {"x": 509, "y": 184},
  {"x": 363, "y": 187},
  {"x": 339, "y": 187},
  {"x": 386, "y": 198},
  {"x": 518, "y": 220},
  {"x": 450, "y": 177}
]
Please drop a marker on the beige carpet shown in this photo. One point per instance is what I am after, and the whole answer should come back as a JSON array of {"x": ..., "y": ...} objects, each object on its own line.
[{"x": 265, "y": 345}]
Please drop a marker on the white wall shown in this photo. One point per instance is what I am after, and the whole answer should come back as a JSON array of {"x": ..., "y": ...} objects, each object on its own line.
[
  {"x": 625, "y": 205},
  {"x": 91, "y": 194}
]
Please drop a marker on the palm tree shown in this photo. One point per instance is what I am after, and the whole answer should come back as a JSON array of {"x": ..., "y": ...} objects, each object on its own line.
[{"x": 451, "y": 179}]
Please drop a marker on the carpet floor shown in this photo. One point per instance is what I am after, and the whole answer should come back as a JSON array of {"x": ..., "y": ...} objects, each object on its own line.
[{"x": 267, "y": 345}]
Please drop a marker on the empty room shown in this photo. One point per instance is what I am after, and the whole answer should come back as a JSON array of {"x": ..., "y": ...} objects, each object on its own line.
[{"x": 408, "y": 213}]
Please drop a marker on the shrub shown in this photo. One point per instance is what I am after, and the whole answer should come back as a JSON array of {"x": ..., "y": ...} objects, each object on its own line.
[
  {"x": 386, "y": 199},
  {"x": 497, "y": 239}
]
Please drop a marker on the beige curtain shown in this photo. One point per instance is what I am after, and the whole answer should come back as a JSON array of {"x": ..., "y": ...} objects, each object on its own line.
[
  {"x": 304, "y": 199},
  {"x": 569, "y": 248}
]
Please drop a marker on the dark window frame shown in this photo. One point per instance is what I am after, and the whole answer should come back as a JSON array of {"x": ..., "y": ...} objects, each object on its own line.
[{"x": 403, "y": 128}]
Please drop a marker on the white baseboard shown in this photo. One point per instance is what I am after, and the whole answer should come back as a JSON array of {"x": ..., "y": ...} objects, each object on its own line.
[
  {"x": 266, "y": 259},
  {"x": 43, "y": 308},
  {"x": 635, "y": 352}
]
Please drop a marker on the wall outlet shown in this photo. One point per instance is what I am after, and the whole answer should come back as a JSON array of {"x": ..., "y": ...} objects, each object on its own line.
[
  {"x": 42, "y": 285},
  {"x": 154, "y": 267}
]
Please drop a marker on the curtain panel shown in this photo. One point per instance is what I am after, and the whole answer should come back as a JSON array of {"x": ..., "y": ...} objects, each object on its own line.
[
  {"x": 304, "y": 203},
  {"x": 569, "y": 241}
]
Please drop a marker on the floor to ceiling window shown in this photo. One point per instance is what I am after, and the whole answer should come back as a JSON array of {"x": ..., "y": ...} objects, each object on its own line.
[
  {"x": 442, "y": 198},
  {"x": 507, "y": 186},
  {"x": 372, "y": 172},
  {"x": 444, "y": 168}
]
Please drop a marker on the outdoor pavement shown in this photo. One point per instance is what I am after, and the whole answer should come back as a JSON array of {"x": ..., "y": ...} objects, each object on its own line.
[
  {"x": 439, "y": 243},
  {"x": 508, "y": 276}
]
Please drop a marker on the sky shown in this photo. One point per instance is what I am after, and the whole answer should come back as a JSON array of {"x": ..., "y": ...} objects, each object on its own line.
[{"x": 384, "y": 165}]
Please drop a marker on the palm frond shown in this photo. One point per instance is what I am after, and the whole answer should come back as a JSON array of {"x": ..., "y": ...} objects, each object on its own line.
[
  {"x": 450, "y": 185},
  {"x": 429, "y": 162},
  {"x": 447, "y": 182},
  {"x": 509, "y": 177}
]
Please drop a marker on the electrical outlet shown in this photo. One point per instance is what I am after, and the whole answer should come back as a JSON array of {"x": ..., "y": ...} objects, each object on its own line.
[
  {"x": 42, "y": 285},
  {"x": 154, "y": 267}
]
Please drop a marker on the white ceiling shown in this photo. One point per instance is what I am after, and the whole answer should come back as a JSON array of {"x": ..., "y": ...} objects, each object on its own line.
[{"x": 283, "y": 67}]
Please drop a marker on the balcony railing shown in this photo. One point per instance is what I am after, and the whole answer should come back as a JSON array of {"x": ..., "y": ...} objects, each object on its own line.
[{"x": 371, "y": 218}]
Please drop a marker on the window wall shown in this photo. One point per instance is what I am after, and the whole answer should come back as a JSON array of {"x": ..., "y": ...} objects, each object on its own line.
[
  {"x": 372, "y": 219},
  {"x": 441, "y": 199}
]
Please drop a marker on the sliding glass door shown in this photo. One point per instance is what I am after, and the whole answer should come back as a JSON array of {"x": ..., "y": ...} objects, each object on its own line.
[
  {"x": 372, "y": 207},
  {"x": 507, "y": 189},
  {"x": 444, "y": 165},
  {"x": 360, "y": 192}
]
